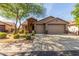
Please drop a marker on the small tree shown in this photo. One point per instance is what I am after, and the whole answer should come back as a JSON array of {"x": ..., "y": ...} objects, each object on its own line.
[{"x": 18, "y": 11}]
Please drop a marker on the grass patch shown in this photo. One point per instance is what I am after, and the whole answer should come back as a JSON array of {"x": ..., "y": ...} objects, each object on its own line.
[{"x": 3, "y": 35}]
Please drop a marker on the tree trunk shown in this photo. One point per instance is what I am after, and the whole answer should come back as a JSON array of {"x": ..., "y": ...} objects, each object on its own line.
[
  {"x": 16, "y": 21},
  {"x": 19, "y": 24},
  {"x": 15, "y": 27}
]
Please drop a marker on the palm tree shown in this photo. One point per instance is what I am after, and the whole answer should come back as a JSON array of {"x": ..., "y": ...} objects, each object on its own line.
[{"x": 18, "y": 11}]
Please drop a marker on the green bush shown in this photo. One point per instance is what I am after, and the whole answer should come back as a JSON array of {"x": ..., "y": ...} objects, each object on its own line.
[
  {"x": 23, "y": 36},
  {"x": 28, "y": 37},
  {"x": 21, "y": 31},
  {"x": 16, "y": 36},
  {"x": 3, "y": 35},
  {"x": 26, "y": 32}
]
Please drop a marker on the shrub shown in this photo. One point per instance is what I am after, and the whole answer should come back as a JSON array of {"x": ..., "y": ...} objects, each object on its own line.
[
  {"x": 26, "y": 32},
  {"x": 33, "y": 33},
  {"x": 3, "y": 35},
  {"x": 16, "y": 36},
  {"x": 23, "y": 36},
  {"x": 28, "y": 37},
  {"x": 21, "y": 31}
]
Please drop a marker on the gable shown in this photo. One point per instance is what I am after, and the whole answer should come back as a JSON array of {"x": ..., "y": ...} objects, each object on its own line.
[
  {"x": 29, "y": 20},
  {"x": 57, "y": 21},
  {"x": 52, "y": 20},
  {"x": 45, "y": 20}
]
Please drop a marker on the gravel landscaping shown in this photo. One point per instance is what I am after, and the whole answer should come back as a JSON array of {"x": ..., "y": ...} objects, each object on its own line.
[{"x": 17, "y": 48}]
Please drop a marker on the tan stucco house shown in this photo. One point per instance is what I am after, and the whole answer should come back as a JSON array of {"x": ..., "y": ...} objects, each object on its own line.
[
  {"x": 6, "y": 27},
  {"x": 49, "y": 25},
  {"x": 72, "y": 27}
]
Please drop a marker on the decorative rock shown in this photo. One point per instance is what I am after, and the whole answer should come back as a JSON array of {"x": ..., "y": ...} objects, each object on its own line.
[{"x": 14, "y": 48}]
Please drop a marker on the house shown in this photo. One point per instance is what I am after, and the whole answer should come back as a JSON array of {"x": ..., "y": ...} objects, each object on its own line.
[
  {"x": 6, "y": 27},
  {"x": 72, "y": 27},
  {"x": 50, "y": 25}
]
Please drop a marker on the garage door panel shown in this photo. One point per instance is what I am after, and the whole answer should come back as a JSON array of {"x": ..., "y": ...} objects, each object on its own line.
[
  {"x": 55, "y": 29},
  {"x": 39, "y": 29}
]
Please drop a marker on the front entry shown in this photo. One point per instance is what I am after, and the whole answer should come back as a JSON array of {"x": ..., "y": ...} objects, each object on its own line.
[
  {"x": 31, "y": 22},
  {"x": 31, "y": 28}
]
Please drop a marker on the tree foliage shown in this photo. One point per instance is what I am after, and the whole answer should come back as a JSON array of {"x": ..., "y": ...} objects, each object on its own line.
[
  {"x": 75, "y": 13},
  {"x": 18, "y": 11}
]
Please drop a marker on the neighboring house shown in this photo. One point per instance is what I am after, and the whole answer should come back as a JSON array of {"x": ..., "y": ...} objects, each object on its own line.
[
  {"x": 72, "y": 28},
  {"x": 6, "y": 26},
  {"x": 50, "y": 25}
]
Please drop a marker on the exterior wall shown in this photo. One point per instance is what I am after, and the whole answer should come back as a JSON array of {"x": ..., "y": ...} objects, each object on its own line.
[{"x": 8, "y": 28}]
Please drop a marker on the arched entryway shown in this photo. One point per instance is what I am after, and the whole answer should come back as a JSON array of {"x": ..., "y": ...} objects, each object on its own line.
[{"x": 31, "y": 23}]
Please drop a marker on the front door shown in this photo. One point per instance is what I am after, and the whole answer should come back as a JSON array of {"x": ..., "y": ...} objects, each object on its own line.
[{"x": 31, "y": 28}]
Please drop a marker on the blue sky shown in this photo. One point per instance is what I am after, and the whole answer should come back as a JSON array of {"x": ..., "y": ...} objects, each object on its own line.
[{"x": 61, "y": 10}]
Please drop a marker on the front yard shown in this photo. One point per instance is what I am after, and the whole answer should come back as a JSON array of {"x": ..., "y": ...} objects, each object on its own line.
[
  {"x": 13, "y": 44},
  {"x": 40, "y": 45}
]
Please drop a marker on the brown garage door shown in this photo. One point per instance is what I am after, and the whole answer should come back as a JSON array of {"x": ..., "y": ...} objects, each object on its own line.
[
  {"x": 55, "y": 29},
  {"x": 39, "y": 29},
  {"x": 2, "y": 28}
]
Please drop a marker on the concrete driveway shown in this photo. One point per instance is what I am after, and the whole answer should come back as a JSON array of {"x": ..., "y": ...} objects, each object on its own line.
[
  {"x": 46, "y": 43},
  {"x": 69, "y": 42},
  {"x": 63, "y": 44}
]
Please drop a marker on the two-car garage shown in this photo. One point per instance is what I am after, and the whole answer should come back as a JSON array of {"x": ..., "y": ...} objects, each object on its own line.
[
  {"x": 51, "y": 25},
  {"x": 51, "y": 29}
]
